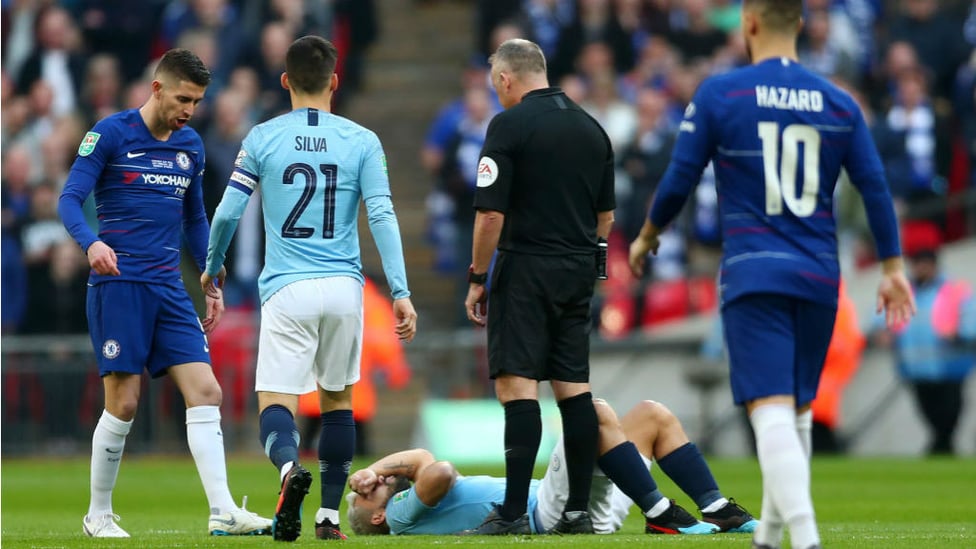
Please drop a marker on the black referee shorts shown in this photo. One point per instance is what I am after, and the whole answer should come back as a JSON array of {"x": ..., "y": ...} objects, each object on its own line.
[{"x": 539, "y": 316}]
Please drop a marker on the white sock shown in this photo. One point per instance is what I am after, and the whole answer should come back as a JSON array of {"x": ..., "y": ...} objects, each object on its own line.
[
  {"x": 804, "y": 428},
  {"x": 785, "y": 470},
  {"x": 324, "y": 513},
  {"x": 207, "y": 446},
  {"x": 715, "y": 505},
  {"x": 770, "y": 529},
  {"x": 661, "y": 506},
  {"x": 108, "y": 441},
  {"x": 284, "y": 470}
]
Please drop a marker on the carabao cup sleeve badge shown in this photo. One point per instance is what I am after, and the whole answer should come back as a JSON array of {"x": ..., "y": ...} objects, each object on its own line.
[{"x": 88, "y": 143}]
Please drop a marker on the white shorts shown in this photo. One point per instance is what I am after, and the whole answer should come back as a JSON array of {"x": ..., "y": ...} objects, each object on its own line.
[
  {"x": 608, "y": 505},
  {"x": 311, "y": 332}
]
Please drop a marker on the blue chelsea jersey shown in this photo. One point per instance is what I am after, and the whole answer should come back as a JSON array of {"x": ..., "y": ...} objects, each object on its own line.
[
  {"x": 147, "y": 192},
  {"x": 779, "y": 136}
]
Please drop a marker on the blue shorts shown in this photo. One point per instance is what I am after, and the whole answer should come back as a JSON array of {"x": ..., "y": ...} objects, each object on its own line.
[
  {"x": 777, "y": 346},
  {"x": 136, "y": 325}
]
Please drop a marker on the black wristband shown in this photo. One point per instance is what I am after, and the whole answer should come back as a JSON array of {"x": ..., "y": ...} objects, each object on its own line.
[{"x": 477, "y": 278}]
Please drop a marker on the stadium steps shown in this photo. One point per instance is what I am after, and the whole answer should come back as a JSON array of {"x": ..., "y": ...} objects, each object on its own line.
[
  {"x": 410, "y": 73},
  {"x": 391, "y": 430}
]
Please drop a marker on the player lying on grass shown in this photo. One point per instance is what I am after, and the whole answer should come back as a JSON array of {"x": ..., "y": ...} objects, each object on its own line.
[{"x": 409, "y": 492}]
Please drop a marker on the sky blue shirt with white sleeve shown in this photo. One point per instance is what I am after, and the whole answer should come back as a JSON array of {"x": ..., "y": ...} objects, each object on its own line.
[{"x": 313, "y": 168}]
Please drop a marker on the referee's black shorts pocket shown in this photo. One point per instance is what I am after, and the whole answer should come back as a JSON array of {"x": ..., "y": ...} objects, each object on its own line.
[{"x": 539, "y": 316}]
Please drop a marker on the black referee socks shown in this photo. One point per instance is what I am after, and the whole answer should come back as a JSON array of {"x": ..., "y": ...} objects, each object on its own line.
[
  {"x": 523, "y": 433},
  {"x": 581, "y": 433}
]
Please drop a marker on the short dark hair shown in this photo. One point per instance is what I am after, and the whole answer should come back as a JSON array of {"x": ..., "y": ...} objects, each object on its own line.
[
  {"x": 781, "y": 15},
  {"x": 520, "y": 56},
  {"x": 183, "y": 64},
  {"x": 310, "y": 62}
]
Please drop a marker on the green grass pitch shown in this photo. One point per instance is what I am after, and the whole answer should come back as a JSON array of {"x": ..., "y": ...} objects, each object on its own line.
[{"x": 862, "y": 503}]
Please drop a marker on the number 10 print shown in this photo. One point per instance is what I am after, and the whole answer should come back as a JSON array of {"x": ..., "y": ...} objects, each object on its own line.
[{"x": 780, "y": 169}]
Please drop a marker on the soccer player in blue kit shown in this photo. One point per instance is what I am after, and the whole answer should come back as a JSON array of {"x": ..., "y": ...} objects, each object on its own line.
[
  {"x": 779, "y": 136},
  {"x": 146, "y": 169},
  {"x": 312, "y": 168}
]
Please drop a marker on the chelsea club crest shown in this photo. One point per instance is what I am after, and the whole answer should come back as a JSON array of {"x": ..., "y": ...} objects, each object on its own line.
[
  {"x": 183, "y": 160},
  {"x": 110, "y": 349}
]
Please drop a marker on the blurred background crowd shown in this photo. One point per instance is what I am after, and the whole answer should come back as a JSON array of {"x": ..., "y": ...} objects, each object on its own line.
[
  {"x": 632, "y": 64},
  {"x": 68, "y": 64}
]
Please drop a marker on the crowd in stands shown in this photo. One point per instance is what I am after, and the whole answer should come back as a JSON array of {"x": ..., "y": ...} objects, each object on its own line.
[
  {"x": 69, "y": 63},
  {"x": 635, "y": 64}
]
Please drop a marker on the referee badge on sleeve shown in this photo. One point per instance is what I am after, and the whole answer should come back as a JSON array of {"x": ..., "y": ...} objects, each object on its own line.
[{"x": 487, "y": 172}]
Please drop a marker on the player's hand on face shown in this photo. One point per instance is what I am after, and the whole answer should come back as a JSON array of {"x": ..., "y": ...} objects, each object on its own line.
[
  {"x": 896, "y": 298},
  {"x": 406, "y": 326},
  {"x": 215, "y": 310},
  {"x": 363, "y": 481},
  {"x": 102, "y": 259},
  {"x": 476, "y": 304}
]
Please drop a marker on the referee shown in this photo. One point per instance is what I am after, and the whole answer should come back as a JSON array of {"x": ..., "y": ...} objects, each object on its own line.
[{"x": 544, "y": 197}]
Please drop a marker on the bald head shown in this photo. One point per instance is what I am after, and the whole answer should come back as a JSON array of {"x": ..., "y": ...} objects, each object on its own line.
[
  {"x": 519, "y": 57},
  {"x": 517, "y": 67}
]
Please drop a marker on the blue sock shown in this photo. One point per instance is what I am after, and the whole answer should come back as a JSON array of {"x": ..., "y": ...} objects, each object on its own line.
[
  {"x": 624, "y": 466},
  {"x": 336, "y": 446},
  {"x": 279, "y": 436},
  {"x": 687, "y": 468}
]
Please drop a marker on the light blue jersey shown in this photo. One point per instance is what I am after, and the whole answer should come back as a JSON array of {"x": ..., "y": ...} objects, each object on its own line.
[
  {"x": 465, "y": 506},
  {"x": 313, "y": 168}
]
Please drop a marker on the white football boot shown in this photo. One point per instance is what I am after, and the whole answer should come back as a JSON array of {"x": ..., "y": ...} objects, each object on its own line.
[
  {"x": 103, "y": 526},
  {"x": 239, "y": 522}
]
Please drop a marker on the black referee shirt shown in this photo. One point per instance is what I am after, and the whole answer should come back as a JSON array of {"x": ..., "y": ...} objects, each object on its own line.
[{"x": 548, "y": 166}]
